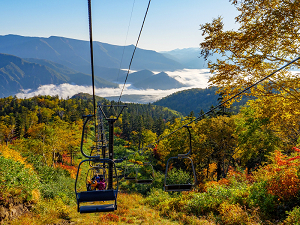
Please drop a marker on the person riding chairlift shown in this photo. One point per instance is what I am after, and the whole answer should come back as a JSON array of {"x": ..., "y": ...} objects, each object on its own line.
[
  {"x": 101, "y": 185},
  {"x": 92, "y": 184}
]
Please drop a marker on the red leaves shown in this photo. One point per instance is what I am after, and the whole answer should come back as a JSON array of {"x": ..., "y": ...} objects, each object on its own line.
[{"x": 284, "y": 182}]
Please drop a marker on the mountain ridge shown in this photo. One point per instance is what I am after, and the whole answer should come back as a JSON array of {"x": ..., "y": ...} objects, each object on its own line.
[
  {"x": 17, "y": 73},
  {"x": 75, "y": 53}
]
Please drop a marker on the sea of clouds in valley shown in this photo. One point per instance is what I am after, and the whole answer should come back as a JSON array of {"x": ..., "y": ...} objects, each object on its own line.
[{"x": 193, "y": 78}]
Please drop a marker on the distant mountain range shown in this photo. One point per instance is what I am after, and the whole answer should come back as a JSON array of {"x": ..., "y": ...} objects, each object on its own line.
[
  {"x": 75, "y": 54},
  {"x": 29, "y": 62},
  {"x": 17, "y": 74},
  {"x": 190, "y": 58},
  {"x": 146, "y": 79}
]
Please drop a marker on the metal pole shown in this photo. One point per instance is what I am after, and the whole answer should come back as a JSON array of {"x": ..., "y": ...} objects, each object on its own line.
[{"x": 110, "y": 152}]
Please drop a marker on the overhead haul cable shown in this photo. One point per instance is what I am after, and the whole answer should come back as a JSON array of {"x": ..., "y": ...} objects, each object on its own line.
[
  {"x": 92, "y": 60},
  {"x": 134, "y": 50}
]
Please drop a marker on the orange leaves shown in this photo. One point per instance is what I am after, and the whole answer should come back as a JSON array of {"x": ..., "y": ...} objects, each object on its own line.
[
  {"x": 285, "y": 186},
  {"x": 224, "y": 182},
  {"x": 71, "y": 169},
  {"x": 283, "y": 160},
  {"x": 296, "y": 149},
  {"x": 284, "y": 182},
  {"x": 109, "y": 217}
]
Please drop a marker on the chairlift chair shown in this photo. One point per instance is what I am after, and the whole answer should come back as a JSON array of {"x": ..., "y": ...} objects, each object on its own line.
[
  {"x": 181, "y": 187},
  {"x": 145, "y": 180},
  {"x": 96, "y": 196},
  {"x": 130, "y": 172},
  {"x": 95, "y": 152}
]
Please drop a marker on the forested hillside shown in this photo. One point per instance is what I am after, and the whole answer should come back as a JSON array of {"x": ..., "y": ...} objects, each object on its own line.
[
  {"x": 196, "y": 100},
  {"x": 237, "y": 162}
]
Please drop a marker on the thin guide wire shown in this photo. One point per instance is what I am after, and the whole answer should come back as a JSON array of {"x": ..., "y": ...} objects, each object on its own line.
[{"x": 134, "y": 50}]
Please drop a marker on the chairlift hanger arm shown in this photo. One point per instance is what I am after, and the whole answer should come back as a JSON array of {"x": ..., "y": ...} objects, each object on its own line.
[
  {"x": 88, "y": 117},
  {"x": 190, "y": 143}
]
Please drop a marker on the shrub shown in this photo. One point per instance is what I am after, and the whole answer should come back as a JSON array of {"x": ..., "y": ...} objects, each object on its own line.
[
  {"x": 259, "y": 197},
  {"x": 293, "y": 217},
  {"x": 232, "y": 214},
  {"x": 50, "y": 210},
  {"x": 203, "y": 203},
  {"x": 17, "y": 181},
  {"x": 156, "y": 196},
  {"x": 178, "y": 176},
  {"x": 277, "y": 185},
  {"x": 54, "y": 182},
  {"x": 239, "y": 195}
]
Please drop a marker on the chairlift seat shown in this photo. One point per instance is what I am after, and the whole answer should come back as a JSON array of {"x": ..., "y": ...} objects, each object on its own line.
[
  {"x": 97, "y": 208},
  {"x": 178, "y": 187},
  {"x": 93, "y": 196}
]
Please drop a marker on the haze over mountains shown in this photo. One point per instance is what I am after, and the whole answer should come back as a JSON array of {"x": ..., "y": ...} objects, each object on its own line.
[{"x": 31, "y": 62}]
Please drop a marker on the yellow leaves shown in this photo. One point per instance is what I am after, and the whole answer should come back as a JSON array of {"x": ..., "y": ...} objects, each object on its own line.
[
  {"x": 12, "y": 154},
  {"x": 35, "y": 196},
  {"x": 136, "y": 162},
  {"x": 264, "y": 42},
  {"x": 233, "y": 214},
  {"x": 283, "y": 115},
  {"x": 37, "y": 131}
]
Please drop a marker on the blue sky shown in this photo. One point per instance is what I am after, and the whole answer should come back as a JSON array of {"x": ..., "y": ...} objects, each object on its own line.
[{"x": 170, "y": 24}]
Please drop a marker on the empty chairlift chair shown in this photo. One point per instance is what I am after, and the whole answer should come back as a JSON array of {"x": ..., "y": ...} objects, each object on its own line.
[
  {"x": 130, "y": 172},
  {"x": 181, "y": 187},
  {"x": 148, "y": 179}
]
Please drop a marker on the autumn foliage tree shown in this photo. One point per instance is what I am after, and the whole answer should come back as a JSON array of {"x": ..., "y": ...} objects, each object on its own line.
[{"x": 267, "y": 39}]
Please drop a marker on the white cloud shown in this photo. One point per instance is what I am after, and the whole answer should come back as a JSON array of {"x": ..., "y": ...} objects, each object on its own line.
[{"x": 194, "y": 78}]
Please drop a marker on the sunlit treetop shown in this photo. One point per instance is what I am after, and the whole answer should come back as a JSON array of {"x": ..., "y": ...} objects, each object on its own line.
[{"x": 267, "y": 39}]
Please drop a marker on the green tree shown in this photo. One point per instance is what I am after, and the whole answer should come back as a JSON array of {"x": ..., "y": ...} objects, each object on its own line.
[
  {"x": 215, "y": 146},
  {"x": 159, "y": 125},
  {"x": 255, "y": 138}
]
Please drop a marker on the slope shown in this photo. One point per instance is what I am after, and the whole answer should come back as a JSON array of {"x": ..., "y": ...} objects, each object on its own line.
[
  {"x": 190, "y": 100},
  {"x": 195, "y": 99}
]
